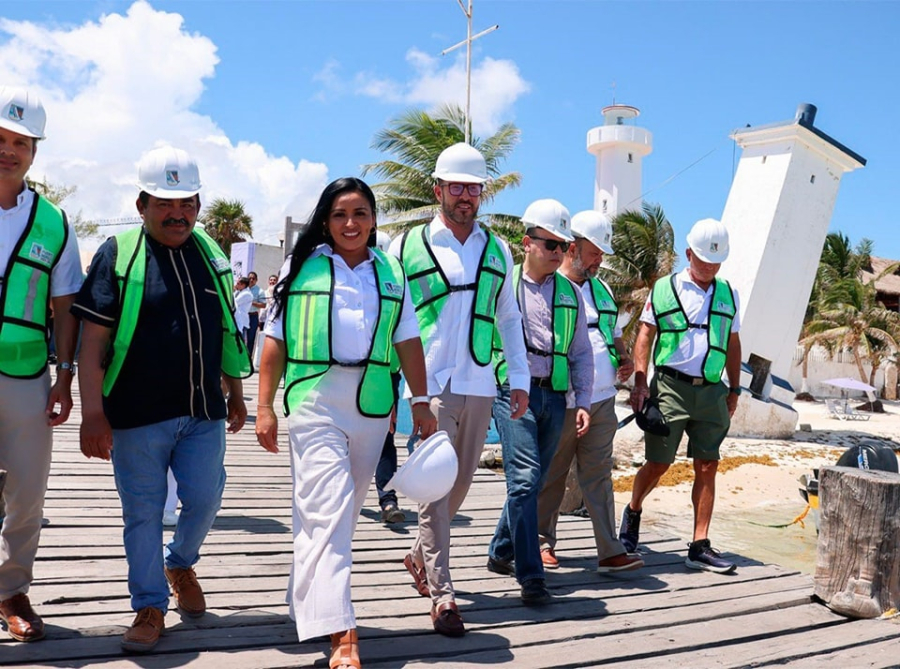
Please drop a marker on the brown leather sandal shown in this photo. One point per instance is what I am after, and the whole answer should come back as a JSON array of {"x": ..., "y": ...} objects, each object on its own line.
[{"x": 344, "y": 651}]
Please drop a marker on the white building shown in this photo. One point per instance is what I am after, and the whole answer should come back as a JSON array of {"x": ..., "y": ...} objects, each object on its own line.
[{"x": 619, "y": 146}]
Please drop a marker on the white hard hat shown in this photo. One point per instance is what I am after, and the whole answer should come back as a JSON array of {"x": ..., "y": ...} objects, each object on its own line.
[
  {"x": 22, "y": 112},
  {"x": 169, "y": 173},
  {"x": 461, "y": 163},
  {"x": 551, "y": 216},
  {"x": 382, "y": 240},
  {"x": 594, "y": 227},
  {"x": 429, "y": 472},
  {"x": 708, "y": 240}
]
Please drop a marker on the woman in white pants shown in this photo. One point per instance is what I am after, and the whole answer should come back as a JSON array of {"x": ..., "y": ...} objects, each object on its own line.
[{"x": 341, "y": 309}]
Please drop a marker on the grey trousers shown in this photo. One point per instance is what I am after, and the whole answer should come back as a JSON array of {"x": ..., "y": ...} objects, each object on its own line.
[
  {"x": 466, "y": 419},
  {"x": 25, "y": 447},
  {"x": 593, "y": 456}
]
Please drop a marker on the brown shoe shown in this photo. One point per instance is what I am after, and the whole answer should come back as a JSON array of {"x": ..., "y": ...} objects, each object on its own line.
[
  {"x": 548, "y": 558},
  {"x": 344, "y": 650},
  {"x": 188, "y": 594},
  {"x": 22, "y": 623},
  {"x": 418, "y": 574},
  {"x": 144, "y": 632},
  {"x": 446, "y": 619},
  {"x": 623, "y": 562}
]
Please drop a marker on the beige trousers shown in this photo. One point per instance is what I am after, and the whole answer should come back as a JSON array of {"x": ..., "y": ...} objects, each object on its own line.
[
  {"x": 466, "y": 419},
  {"x": 25, "y": 450},
  {"x": 593, "y": 455}
]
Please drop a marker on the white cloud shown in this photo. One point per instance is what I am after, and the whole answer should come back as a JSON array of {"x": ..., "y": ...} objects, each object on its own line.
[
  {"x": 496, "y": 85},
  {"x": 117, "y": 87}
]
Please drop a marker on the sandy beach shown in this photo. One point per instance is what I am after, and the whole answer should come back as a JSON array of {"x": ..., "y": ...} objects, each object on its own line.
[{"x": 752, "y": 496}]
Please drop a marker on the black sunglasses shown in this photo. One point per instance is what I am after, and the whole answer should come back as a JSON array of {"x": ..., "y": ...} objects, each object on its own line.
[
  {"x": 457, "y": 189},
  {"x": 551, "y": 244}
]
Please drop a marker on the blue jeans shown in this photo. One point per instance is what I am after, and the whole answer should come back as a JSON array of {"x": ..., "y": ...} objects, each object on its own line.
[
  {"x": 528, "y": 445},
  {"x": 195, "y": 450}
]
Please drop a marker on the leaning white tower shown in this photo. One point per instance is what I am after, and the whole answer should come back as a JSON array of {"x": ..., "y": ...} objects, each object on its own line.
[{"x": 619, "y": 146}]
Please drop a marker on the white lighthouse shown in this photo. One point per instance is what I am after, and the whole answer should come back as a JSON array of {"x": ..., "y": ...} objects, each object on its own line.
[
  {"x": 619, "y": 145},
  {"x": 777, "y": 215}
]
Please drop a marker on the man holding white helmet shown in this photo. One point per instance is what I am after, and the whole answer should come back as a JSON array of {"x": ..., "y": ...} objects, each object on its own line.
[
  {"x": 559, "y": 357},
  {"x": 592, "y": 452},
  {"x": 39, "y": 267},
  {"x": 695, "y": 317},
  {"x": 151, "y": 383},
  {"x": 460, "y": 279}
]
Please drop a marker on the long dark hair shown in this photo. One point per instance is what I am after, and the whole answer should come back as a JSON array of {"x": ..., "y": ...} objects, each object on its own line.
[{"x": 315, "y": 231}]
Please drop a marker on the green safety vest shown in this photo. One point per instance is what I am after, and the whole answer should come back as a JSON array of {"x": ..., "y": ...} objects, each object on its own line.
[
  {"x": 608, "y": 314},
  {"x": 672, "y": 325},
  {"x": 564, "y": 316},
  {"x": 131, "y": 267},
  {"x": 429, "y": 289},
  {"x": 25, "y": 303},
  {"x": 308, "y": 334}
]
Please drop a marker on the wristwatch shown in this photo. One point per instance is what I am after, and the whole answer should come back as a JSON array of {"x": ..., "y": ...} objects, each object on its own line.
[
  {"x": 66, "y": 367},
  {"x": 736, "y": 390}
]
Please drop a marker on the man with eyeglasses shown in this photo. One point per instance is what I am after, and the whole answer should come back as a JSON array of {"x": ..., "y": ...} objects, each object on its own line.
[
  {"x": 559, "y": 356},
  {"x": 592, "y": 452},
  {"x": 460, "y": 278}
]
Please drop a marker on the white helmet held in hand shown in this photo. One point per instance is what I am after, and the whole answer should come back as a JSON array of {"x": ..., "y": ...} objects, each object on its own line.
[
  {"x": 461, "y": 163},
  {"x": 169, "y": 173},
  {"x": 429, "y": 472},
  {"x": 22, "y": 112},
  {"x": 549, "y": 215},
  {"x": 594, "y": 227},
  {"x": 708, "y": 240}
]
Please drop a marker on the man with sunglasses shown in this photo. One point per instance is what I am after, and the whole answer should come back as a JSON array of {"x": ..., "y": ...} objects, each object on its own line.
[
  {"x": 559, "y": 357},
  {"x": 592, "y": 452},
  {"x": 460, "y": 278}
]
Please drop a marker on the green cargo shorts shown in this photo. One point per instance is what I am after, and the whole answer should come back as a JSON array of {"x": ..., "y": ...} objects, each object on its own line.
[{"x": 700, "y": 411}]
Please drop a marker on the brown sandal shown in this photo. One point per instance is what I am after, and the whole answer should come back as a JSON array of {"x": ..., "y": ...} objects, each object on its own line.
[{"x": 344, "y": 650}]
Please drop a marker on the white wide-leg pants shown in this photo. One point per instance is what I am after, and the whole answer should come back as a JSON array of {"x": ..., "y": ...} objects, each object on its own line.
[{"x": 334, "y": 452}]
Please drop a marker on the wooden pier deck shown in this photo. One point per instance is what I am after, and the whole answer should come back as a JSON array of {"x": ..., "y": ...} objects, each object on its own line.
[{"x": 760, "y": 616}]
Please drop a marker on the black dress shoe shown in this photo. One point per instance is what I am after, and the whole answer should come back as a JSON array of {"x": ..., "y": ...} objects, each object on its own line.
[
  {"x": 498, "y": 566},
  {"x": 535, "y": 593}
]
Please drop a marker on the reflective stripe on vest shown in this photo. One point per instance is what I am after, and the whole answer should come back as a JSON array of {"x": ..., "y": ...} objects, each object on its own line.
[
  {"x": 308, "y": 334},
  {"x": 672, "y": 325},
  {"x": 131, "y": 269},
  {"x": 563, "y": 317},
  {"x": 608, "y": 314},
  {"x": 429, "y": 289},
  {"x": 25, "y": 303}
]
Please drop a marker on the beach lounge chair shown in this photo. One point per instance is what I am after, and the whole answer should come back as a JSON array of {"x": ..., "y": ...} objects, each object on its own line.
[
  {"x": 853, "y": 414},
  {"x": 836, "y": 409}
]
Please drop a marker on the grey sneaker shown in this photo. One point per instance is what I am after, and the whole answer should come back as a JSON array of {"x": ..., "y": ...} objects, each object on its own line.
[
  {"x": 701, "y": 555},
  {"x": 630, "y": 529},
  {"x": 391, "y": 513}
]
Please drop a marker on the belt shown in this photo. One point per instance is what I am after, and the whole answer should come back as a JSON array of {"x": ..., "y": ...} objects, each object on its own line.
[
  {"x": 681, "y": 376},
  {"x": 542, "y": 382}
]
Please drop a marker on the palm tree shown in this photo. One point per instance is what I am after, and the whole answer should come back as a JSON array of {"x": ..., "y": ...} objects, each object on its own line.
[
  {"x": 415, "y": 139},
  {"x": 645, "y": 251},
  {"x": 57, "y": 194},
  {"x": 227, "y": 222}
]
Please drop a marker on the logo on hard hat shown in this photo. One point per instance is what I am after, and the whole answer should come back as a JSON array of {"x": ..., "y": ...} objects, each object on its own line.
[
  {"x": 714, "y": 246},
  {"x": 172, "y": 177},
  {"x": 16, "y": 113}
]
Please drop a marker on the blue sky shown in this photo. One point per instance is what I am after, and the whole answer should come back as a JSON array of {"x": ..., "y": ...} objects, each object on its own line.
[{"x": 278, "y": 98}]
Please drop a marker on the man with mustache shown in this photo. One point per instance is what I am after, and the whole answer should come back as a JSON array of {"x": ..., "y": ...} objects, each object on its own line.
[{"x": 151, "y": 376}]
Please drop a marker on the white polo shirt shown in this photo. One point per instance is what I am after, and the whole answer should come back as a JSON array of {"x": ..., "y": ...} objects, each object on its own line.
[
  {"x": 66, "y": 277},
  {"x": 447, "y": 355},
  {"x": 688, "y": 359},
  {"x": 354, "y": 311}
]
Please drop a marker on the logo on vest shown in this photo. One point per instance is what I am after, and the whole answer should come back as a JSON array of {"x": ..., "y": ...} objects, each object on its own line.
[
  {"x": 40, "y": 254},
  {"x": 172, "y": 177},
  {"x": 606, "y": 305},
  {"x": 15, "y": 113},
  {"x": 495, "y": 262},
  {"x": 393, "y": 289},
  {"x": 221, "y": 264},
  {"x": 567, "y": 300},
  {"x": 721, "y": 306}
]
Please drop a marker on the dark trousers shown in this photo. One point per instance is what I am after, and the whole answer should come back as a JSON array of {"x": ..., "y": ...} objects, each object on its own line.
[{"x": 254, "y": 328}]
